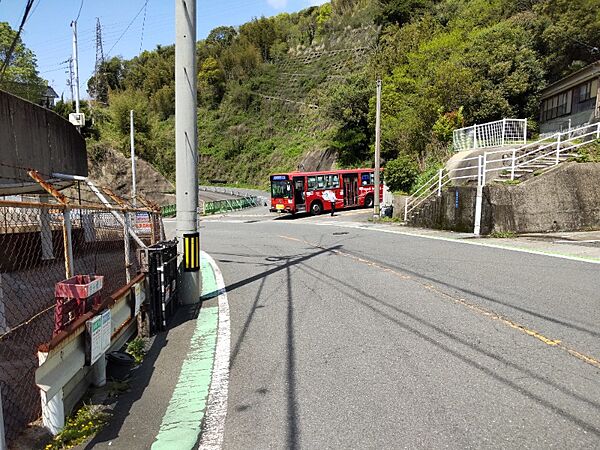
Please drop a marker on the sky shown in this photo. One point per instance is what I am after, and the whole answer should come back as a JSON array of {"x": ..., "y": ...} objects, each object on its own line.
[{"x": 127, "y": 28}]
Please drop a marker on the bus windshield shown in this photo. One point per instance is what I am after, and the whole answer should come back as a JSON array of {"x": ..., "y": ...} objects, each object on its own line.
[{"x": 281, "y": 189}]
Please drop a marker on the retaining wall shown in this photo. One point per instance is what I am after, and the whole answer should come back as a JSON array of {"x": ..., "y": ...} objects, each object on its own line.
[{"x": 564, "y": 199}]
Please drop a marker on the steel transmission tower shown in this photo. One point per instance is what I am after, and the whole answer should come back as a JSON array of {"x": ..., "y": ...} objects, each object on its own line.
[{"x": 98, "y": 93}]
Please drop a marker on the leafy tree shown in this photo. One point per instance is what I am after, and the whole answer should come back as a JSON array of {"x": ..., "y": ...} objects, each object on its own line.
[
  {"x": 110, "y": 76},
  {"x": 21, "y": 75},
  {"x": 347, "y": 105},
  {"x": 211, "y": 82},
  {"x": 401, "y": 173},
  {"x": 261, "y": 33},
  {"x": 221, "y": 38}
]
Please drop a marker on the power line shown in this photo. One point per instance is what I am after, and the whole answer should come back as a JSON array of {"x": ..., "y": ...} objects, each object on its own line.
[
  {"x": 16, "y": 39},
  {"x": 126, "y": 29},
  {"x": 143, "y": 25},
  {"x": 79, "y": 12}
]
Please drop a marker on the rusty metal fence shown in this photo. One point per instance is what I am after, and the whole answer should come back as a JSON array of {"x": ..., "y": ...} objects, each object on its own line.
[{"x": 45, "y": 239}]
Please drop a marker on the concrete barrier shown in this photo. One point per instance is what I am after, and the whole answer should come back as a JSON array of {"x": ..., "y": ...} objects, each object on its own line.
[{"x": 63, "y": 376}]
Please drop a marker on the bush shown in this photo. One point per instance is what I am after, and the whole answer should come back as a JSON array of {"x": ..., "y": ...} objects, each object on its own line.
[{"x": 401, "y": 173}]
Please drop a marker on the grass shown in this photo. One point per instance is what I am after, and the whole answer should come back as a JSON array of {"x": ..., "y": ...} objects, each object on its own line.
[
  {"x": 502, "y": 234},
  {"x": 511, "y": 182},
  {"x": 86, "y": 422}
]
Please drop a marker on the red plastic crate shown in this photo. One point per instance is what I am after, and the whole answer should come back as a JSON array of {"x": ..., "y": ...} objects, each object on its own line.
[{"x": 74, "y": 297}]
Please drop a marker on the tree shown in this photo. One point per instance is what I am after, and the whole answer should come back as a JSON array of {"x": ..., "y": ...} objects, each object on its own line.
[
  {"x": 20, "y": 77},
  {"x": 347, "y": 105},
  {"x": 221, "y": 37},
  {"x": 110, "y": 76}
]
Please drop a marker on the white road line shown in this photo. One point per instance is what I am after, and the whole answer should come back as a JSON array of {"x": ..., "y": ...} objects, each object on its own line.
[
  {"x": 461, "y": 241},
  {"x": 216, "y": 410}
]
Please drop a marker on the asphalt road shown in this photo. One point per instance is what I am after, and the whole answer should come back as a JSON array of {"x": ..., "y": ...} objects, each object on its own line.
[{"x": 354, "y": 338}]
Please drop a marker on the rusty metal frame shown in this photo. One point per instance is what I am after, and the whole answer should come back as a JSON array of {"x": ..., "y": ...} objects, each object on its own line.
[{"x": 66, "y": 227}]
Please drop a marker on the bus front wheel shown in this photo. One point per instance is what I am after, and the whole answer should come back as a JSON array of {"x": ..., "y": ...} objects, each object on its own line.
[
  {"x": 316, "y": 208},
  {"x": 369, "y": 201}
]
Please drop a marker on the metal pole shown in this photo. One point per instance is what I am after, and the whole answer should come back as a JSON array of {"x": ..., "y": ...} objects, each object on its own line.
[
  {"x": 475, "y": 136},
  {"x": 75, "y": 66},
  {"x": 46, "y": 229},
  {"x": 503, "y": 131},
  {"x": 478, "y": 200},
  {"x": 131, "y": 133},
  {"x": 2, "y": 436},
  {"x": 440, "y": 175},
  {"x": 127, "y": 248},
  {"x": 376, "y": 206},
  {"x": 186, "y": 137},
  {"x": 484, "y": 169},
  {"x": 558, "y": 150},
  {"x": 512, "y": 168},
  {"x": 406, "y": 209},
  {"x": 68, "y": 242}
]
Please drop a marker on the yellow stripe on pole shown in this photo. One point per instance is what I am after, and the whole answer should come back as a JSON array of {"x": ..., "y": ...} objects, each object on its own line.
[{"x": 191, "y": 249}]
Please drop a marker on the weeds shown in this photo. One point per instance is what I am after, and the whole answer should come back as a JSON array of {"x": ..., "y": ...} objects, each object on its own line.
[
  {"x": 137, "y": 349},
  {"x": 502, "y": 234},
  {"x": 86, "y": 422}
]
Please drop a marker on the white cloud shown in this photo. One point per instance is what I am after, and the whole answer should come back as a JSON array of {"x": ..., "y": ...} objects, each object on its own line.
[
  {"x": 316, "y": 2},
  {"x": 277, "y": 4}
]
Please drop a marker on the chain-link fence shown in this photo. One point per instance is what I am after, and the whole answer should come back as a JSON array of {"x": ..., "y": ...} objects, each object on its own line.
[{"x": 44, "y": 240}]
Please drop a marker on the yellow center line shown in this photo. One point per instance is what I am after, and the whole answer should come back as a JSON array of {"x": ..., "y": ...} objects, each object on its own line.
[{"x": 556, "y": 343}]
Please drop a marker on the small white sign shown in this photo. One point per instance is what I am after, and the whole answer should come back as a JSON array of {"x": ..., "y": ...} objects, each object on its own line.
[
  {"x": 94, "y": 286},
  {"x": 99, "y": 330},
  {"x": 77, "y": 119},
  {"x": 140, "y": 296}
]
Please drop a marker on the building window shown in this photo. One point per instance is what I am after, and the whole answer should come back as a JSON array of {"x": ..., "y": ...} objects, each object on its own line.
[
  {"x": 585, "y": 92},
  {"x": 557, "y": 106}
]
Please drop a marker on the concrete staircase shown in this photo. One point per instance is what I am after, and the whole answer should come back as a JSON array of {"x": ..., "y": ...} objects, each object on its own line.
[{"x": 517, "y": 163}]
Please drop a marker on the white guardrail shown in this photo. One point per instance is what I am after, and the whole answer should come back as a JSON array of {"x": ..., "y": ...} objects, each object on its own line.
[
  {"x": 544, "y": 153},
  {"x": 63, "y": 376},
  {"x": 491, "y": 134}
]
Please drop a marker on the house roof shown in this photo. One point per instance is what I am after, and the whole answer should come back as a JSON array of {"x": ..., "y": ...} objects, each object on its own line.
[
  {"x": 581, "y": 76},
  {"x": 50, "y": 93}
]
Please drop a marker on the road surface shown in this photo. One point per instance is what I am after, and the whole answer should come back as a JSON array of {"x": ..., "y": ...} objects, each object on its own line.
[{"x": 353, "y": 338}]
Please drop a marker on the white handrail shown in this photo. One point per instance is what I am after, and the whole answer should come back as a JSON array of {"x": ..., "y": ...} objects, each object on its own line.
[{"x": 433, "y": 184}]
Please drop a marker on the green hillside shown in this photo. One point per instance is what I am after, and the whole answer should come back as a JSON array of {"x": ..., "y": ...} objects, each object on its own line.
[{"x": 278, "y": 89}]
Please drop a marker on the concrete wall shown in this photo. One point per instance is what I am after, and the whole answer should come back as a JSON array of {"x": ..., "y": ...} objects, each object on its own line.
[
  {"x": 37, "y": 138},
  {"x": 562, "y": 123},
  {"x": 565, "y": 199}
]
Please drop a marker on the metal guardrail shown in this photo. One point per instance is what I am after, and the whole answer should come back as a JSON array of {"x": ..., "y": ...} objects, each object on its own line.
[
  {"x": 491, "y": 134},
  {"x": 218, "y": 206},
  {"x": 542, "y": 154},
  {"x": 168, "y": 210}
]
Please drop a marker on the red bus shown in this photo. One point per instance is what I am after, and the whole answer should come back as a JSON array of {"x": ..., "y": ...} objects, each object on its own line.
[{"x": 297, "y": 192}]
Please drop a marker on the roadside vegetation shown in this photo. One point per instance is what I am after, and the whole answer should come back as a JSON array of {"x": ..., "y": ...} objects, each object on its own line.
[{"x": 275, "y": 89}]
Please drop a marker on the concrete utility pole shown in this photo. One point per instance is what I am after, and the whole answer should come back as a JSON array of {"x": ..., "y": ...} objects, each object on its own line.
[
  {"x": 186, "y": 136},
  {"x": 376, "y": 206},
  {"x": 75, "y": 65},
  {"x": 131, "y": 134}
]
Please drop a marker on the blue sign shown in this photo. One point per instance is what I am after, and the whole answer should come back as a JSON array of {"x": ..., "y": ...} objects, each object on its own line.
[
  {"x": 279, "y": 177},
  {"x": 456, "y": 199}
]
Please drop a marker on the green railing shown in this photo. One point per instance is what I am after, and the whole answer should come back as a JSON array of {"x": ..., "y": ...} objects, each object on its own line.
[
  {"x": 220, "y": 206},
  {"x": 168, "y": 210},
  {"x": 216, "y": 207}
]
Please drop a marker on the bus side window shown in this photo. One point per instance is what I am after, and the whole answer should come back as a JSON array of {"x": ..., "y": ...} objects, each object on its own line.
[
  {"x": 320, "y": 181},
  {"x": 312, "y": 183},
  {"x": 364, "y": 179},
  {"x": 335, "y": 181}
]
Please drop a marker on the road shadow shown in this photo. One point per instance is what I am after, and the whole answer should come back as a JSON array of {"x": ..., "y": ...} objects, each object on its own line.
[
  {"x": 376, "y": 305},
  {"x": 140, "y": 379}
]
